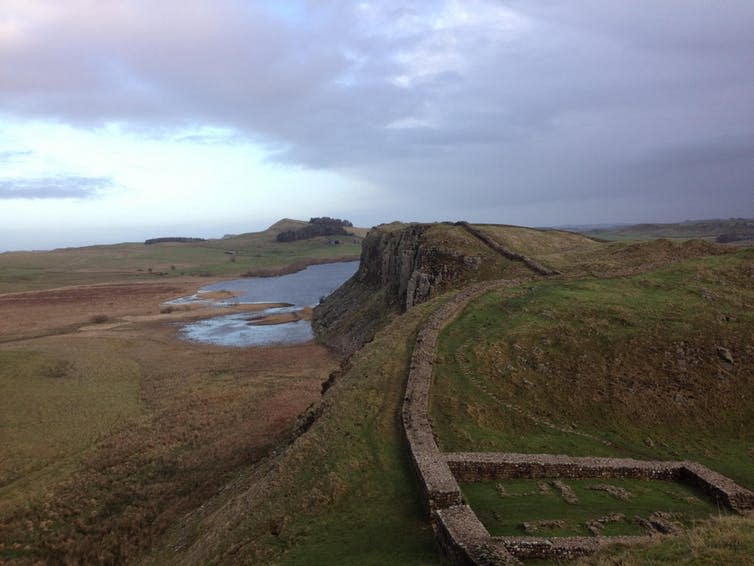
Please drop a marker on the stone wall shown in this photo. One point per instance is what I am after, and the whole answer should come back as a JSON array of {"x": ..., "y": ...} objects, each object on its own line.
[
  {"x": 460, "y": 533},
  {"x": 439, "y": 486},
  {"x": 510, "y": 254},
  {"x": 484, "y": 466}
]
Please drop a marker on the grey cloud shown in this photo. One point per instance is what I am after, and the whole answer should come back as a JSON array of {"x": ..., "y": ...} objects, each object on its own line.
[
  {"x": 13, "y": 156},
  {"x": 61, "y": 187},
  {"x": 475, "y": 107}
]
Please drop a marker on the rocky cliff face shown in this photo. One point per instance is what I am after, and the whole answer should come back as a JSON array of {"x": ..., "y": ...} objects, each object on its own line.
[{"x": 402, "y": 265}]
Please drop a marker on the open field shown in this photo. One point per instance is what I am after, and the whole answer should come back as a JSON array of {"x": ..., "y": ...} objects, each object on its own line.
[
  {"x": 130, "y": 262},
  {"x": 112, "y": 428}
]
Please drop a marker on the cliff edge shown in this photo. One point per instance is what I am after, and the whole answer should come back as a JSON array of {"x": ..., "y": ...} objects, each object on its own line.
[{"x": 403, "y": 265}]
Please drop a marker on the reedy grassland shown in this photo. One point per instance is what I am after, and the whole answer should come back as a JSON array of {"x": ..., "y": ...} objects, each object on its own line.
[
  {"x": 109, "y": 439},
  {"x": 342, "y": 493},
  {"x": 111, "y": 428}
]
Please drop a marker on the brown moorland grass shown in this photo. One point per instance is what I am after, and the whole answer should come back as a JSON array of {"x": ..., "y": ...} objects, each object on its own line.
[
  {"x": 112, "y": 434},
  {"x": 343, "y": 493},
  {"x": 35, "y": 313}
]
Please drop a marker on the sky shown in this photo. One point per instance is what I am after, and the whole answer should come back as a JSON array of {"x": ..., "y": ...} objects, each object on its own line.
[{"x": 129, "y": 119}]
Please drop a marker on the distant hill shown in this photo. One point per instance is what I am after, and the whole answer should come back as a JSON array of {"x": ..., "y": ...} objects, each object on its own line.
[
  {"x": 728, "y": 230},
  {"x": 230, "y": 256}
]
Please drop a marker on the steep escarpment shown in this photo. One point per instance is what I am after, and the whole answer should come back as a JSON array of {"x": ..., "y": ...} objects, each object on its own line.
[{"x": 403, "y": 265}]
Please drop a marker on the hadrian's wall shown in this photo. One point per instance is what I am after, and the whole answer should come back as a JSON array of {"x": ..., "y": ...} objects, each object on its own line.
[
  {"x": 510, "y": 254},
  {"x": 460, "y": 533}
]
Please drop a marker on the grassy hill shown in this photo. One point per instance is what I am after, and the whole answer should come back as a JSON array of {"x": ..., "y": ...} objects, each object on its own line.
[
  {"x": 704, "y": 229},
  {"x": 225, "y": 257},
  {"x": 627, "y": 353},
  {"x": 593, "y": 362},
  {"x": 608, "y": 367}
]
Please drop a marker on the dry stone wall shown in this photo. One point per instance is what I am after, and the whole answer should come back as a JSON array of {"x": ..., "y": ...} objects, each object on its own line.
[
  {"x": 460, "y": 533},
  {"x": 510, "y": 254}
]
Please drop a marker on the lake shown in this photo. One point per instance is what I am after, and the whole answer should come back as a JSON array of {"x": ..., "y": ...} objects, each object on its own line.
[{"x": 298, "y": 290}]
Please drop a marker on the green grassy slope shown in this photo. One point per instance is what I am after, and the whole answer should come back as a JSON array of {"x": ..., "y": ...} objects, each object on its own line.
[
  {"x": 624, "y": 367},
  {"x": 343, "y": 493},
  {"x": 23, "y": 271}
]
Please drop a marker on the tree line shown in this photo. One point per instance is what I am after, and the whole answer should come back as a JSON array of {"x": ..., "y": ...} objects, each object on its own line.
[{"x": 320, "y": 226}]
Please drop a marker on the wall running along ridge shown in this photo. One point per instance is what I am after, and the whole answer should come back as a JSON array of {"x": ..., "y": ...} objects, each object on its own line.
[
  {"x": 462, "y": 536},
  {"x": 505, "y": 252}
]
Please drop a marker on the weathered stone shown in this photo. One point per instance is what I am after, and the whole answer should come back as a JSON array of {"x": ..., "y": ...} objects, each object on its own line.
[
  {"x": 617, "y": 492},
  {"x": 565, "y": 492},
  {"x": 725, "y": 355}
]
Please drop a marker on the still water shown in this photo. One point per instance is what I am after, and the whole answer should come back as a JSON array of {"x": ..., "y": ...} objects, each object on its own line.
[{"x": 298, "y": 290}]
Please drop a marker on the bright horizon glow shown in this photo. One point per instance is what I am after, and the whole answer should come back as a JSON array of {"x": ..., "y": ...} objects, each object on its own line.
[
  {"x": 198, "y": 181},
  {"x": 131, "y": 119}
]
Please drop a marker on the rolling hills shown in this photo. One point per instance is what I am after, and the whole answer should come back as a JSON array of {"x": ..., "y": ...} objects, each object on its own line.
[
  {"x": 633, "y": 349},
  {"x": 619, "y": 355}
]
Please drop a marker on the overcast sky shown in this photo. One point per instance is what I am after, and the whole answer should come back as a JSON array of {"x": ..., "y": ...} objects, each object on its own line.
[{"x": 121, "y": 120}]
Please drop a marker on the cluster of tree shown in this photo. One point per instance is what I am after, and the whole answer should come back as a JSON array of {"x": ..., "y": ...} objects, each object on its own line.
[
  {"x": 180, "y": 240},
  {"x": 734, "y": 237},
  {"x": 323, "y": 226}
]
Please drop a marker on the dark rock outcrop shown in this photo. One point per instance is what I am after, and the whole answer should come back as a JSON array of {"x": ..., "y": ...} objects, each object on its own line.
[{"x": 402, "y": 265}]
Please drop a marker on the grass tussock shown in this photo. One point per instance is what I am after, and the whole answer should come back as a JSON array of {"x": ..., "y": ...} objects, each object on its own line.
[{"x": 720, "y": 540}]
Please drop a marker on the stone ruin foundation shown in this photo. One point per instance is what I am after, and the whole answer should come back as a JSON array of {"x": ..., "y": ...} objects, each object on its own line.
[{"x": 459, "y": 532}]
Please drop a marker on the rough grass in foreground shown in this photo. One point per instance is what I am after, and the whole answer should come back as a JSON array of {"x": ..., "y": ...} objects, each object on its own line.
[
  {"x": 343, "y": 493},
  {"x": 54, "y": 405},
  {"x": 90, "y": 488},
  {"x": 607, "y": 367},
  {"x": 723, "y": 541}
]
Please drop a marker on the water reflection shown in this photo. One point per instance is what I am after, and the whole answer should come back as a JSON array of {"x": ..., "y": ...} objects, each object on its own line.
[{"x": 297, "y": 290}]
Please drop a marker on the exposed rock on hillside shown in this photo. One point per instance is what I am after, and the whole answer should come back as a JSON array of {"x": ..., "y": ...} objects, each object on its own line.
[{"x": 402, "y": 265}]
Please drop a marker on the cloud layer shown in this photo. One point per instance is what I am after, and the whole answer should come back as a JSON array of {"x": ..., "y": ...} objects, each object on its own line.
[
  {"x": 69, "y": 187},
  {"x": 533, "y": 112}
]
